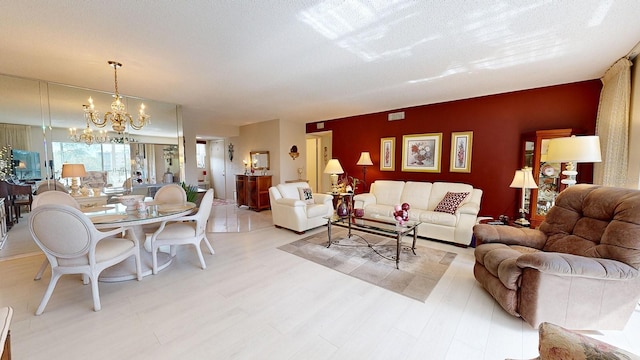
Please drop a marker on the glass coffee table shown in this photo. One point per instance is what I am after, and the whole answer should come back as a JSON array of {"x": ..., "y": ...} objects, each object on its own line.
[{"x": 377, "y": 226}]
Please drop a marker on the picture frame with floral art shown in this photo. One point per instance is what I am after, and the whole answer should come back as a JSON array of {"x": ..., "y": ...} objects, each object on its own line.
[
  {"x": 422, "y": 152},
  {"x": 461, "y": 146},
  {"x": 388, "y": 154}
]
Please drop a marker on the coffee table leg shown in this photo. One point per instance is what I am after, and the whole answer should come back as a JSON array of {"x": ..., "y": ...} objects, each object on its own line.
[
  {"x": 399, "y": 240},
  {"x": 329, "y": 231},
  {"x": 415, "y": 236}
]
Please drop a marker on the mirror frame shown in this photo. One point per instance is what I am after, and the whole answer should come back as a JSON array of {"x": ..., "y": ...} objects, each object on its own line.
[{"x": 257, "y": 156}]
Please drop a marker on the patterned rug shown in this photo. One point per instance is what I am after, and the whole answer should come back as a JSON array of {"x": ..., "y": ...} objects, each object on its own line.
[{"x": 417, "y": 276}]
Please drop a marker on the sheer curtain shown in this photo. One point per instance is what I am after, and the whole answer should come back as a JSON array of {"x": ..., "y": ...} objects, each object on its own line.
[
  {"x": 16, "y": 136},
  {"x": 612, "y": 125}
]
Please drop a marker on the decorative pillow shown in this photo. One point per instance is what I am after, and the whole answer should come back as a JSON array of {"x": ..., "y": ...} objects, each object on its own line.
[
  {"x": 558, "y": 343},
  {"x": 450, "y": 202},
  {"x": 306, "y": 195}
]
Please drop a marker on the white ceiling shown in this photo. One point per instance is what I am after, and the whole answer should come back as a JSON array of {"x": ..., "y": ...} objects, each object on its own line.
[{"x": 240, "y": 62}]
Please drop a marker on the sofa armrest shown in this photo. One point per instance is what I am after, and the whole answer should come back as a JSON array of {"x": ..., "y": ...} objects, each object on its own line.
[
  {"x": 574, "y": 265},
  {"x": 322, "y": 198},
  {"x": 291, "y": 202},
  {"x": 363, "y": 200},
  {"x": 509, "y": 235},
  {"x": 469, "y": 208}
]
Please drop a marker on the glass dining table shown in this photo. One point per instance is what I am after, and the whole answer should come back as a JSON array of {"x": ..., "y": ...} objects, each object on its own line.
[{"x": 115, "y": 215}]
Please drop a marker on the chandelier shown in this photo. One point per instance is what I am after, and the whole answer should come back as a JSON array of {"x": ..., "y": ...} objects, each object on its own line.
[
  {"x": 87, "y": 136},
  {"x": 118, "y": 116}
]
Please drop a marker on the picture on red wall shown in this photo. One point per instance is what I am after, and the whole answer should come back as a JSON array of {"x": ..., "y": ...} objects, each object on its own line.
[
  {"x": 387, "y": 154},
  {"x": 421, "y": 152},
  {"x": 461, "y": 144}
]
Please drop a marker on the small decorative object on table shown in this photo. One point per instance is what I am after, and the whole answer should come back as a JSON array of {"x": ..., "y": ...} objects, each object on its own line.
[
  {"x": 358, "y": 212},
  {"x": 401, "y": 213},
  {"x": 130, "y": 201},
  {"x": 343, "y": 208}
]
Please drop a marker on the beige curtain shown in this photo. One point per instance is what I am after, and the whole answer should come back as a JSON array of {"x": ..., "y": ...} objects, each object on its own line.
[
  {"x": 16, "y": 136},
  {"x": 612, "y": 125}
]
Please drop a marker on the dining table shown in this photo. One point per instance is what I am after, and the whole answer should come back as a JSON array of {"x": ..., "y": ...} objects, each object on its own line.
[{"x": 133, "y": 224}]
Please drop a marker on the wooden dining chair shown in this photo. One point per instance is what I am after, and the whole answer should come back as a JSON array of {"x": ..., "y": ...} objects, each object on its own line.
[
  {"x": 73, "y": 245},
  {"x": 21, "y": 195}
]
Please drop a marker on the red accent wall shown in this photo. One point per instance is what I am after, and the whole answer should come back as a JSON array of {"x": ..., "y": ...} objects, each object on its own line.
[{"x": 497, "y": 122}]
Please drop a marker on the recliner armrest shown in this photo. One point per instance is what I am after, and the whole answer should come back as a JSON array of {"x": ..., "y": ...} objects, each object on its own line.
[
  {"x": 322, "y": 198},
  {"x": 469, "y": 208},
  {"x": 509, "y": 235},
  {"x": 365, "y": 198},
  {"x": 574, "y": 265}
]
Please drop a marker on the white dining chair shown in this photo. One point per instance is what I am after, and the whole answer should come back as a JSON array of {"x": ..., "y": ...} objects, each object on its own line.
[
  {"x": 52, "y": 197},
  {"x": 186, "y": 230},
  {"x": 171, "y": 194},
  {"x": 73, "y": 245}
]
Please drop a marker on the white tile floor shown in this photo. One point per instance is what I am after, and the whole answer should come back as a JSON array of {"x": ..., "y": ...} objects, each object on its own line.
[{"x": 257, "y": 302}]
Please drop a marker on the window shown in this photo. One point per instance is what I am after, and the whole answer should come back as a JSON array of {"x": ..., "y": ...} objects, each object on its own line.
[
  {"x": 113, "y": 158},
  {"x": 201, "y": 154}
]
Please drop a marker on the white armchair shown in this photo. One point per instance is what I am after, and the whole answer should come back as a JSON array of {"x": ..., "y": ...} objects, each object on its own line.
[{"x": 290, "y": 211}]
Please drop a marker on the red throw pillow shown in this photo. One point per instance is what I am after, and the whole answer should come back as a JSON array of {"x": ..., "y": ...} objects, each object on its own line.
[{"x": 450, "y": 202}]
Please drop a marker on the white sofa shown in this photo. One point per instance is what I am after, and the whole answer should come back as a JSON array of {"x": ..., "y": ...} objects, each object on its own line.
[
  {"x": 290, "y": 212},
  {"x": 424, "y": 197}
]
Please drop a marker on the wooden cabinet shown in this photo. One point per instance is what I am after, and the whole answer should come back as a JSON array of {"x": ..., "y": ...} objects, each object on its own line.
[
  {"x": 547, "y": 175},
  {"x": 253, "y": 191}
]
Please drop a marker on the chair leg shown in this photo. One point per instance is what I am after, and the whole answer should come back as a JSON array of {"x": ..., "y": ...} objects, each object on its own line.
[
  {"x": 206, "y": 242},
  {"x": 47, "y": 294},
  {"x": 154, "y": 259},
  {"x": 43, "y": 267},
  {"x": 95, "y": 292},
  {"x": 202, "y": 263},
  {"x": 139, "y": 265}
]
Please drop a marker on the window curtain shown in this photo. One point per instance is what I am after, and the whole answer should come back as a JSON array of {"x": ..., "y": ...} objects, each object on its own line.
[
  {"x": 612, "y": 125},
  {"x": 16, "y": 136}
]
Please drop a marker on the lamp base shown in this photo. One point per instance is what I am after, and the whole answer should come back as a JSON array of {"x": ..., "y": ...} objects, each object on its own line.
[
  {"x": 522, "y": 222},
  {"x": 75, "y": 189}
]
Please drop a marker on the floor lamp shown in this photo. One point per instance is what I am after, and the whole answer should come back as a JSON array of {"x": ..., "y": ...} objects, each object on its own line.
[
  {"x": 364, "y": 161},
  {"x": 523, "y": 179},
  {"x": 573, "y": 150}
]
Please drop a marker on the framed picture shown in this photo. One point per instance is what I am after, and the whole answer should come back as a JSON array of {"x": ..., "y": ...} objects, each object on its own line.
[
  {"x": 387, "y": 154},
  {"x": 421, "y": 152},
  {"x": 461, "y": 144}
]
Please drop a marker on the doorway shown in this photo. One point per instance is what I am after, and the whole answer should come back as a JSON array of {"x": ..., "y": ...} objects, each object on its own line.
[{"x": 216, "y": 162}]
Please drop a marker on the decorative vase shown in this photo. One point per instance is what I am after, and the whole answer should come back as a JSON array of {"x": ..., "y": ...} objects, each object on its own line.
[
  {"x": 342, "y": 209},
  {"x": 358, "y": 212}
]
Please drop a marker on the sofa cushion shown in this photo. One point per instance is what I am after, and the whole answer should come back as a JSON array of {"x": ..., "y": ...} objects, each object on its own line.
[
  {"x": 433, "y": 217},
  {"x": 450, "y": 202},
  {"x": 315, "y": 210},
  {"x": 290, "y": 190},
  {"x": 440, "y": 189},
  {"x": 306, "y": 194},
  {"x": 387, "y": 192},
  {"x": 416, "y": 194}
]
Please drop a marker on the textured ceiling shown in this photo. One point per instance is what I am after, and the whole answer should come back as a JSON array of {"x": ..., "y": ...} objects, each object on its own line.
[{"x": 239, "y": 62}]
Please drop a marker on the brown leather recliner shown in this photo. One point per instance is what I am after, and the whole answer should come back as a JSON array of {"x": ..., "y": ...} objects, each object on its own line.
[{"x": 580, "y": 269}]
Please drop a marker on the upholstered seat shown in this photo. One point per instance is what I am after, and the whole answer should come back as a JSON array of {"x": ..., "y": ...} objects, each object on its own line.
[
  {"x": 291, "y": 212},
  {"x": 580, "y": 269}
]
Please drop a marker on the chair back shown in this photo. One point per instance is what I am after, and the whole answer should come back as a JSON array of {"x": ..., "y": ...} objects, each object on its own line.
[
  {"x": 54, "y": 197},
  {"x": 171, "y": 194},
  {"x": 63, "y": 233},
  {"x": 50, "y": 186},
  {"x": 202, "y": 216}
]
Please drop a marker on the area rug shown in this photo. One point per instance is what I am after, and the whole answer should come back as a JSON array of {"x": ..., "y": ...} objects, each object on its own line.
[{"x": 417, "y": 276}]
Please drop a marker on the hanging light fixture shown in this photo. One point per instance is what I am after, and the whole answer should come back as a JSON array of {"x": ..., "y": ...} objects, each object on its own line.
[
  {"x": 118, "y": 116},
  {"x": 87, "y": 136}
]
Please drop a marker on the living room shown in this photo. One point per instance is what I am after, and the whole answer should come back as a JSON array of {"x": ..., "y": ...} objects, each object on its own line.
[{"x": 255, "y": 301}]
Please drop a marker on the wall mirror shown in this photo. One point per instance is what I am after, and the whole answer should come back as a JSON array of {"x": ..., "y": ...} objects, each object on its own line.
[
  {"x": 260, "y": 160},
  {"x": 51, "y": 109}
]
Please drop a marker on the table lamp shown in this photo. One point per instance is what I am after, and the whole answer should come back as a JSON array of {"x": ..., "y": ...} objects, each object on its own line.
[
  {"x": 333, "y": 167},
  {"x": 364, "y": 161},
  {"x": 572, "y": 150},
  {"x": 73, "y": 171},
  {"x": 523, "y": 179}
]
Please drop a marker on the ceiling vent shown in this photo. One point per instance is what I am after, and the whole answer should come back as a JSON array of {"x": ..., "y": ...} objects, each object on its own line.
[{"x": 396, "y": 116}]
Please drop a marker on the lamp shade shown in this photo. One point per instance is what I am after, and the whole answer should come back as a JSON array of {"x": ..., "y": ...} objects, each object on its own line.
[
  {"x": 333, "y": 167},
  {"x": 523, "y": 179},
  {"x": 576, "y": 149},
  {"x": 73, "y": 170},
  {"x": 365, "y": 159}
]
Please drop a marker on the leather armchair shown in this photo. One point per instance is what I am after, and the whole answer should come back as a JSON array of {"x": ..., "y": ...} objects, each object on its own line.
[
  {"x": 290, "y": 212},
  {"x": 580, "y": 269}
]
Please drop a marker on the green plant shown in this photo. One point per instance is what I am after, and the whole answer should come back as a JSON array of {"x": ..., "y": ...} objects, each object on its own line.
[{"x": 191, "y": 190}]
